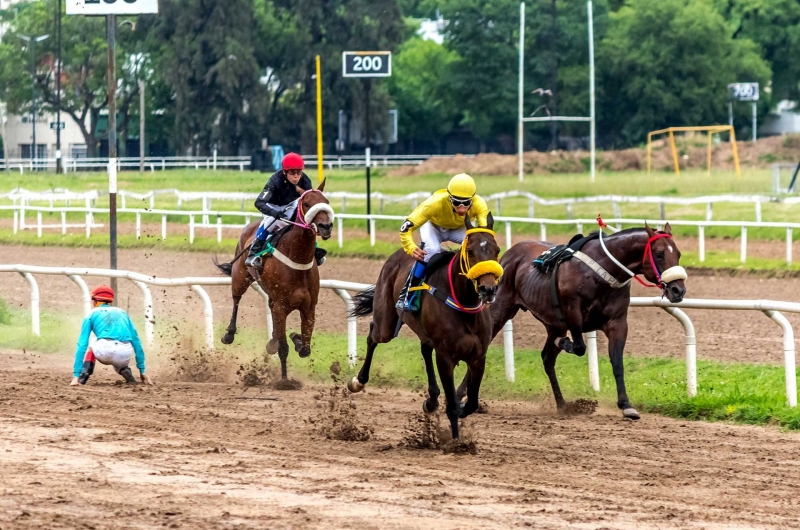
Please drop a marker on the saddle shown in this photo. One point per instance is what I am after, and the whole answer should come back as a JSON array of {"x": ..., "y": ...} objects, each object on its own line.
[
  {"x": 272, "y": 242},
  {"x": 550, "y": 259}
]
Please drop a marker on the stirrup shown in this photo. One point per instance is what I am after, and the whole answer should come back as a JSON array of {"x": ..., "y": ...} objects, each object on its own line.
[{"x": 254, "y": 261}]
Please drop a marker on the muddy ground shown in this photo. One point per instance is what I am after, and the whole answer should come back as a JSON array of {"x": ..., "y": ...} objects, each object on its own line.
[
  {"x": 728, "y": 336},
  {"x": 210, "y": 456}
]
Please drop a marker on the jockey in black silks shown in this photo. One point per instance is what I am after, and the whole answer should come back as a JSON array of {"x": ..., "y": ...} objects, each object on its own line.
[{"x": 276, "y": 202}]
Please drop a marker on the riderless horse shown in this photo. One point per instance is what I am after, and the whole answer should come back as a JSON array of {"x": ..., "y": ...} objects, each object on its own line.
[
  {"x": 290, "y": 277},
  {"x": 453, "y": 320},
  {"x": 585, "y": 287}
]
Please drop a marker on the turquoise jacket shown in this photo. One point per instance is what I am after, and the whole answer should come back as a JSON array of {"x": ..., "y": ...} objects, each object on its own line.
[{"x": 111, "y": 323}]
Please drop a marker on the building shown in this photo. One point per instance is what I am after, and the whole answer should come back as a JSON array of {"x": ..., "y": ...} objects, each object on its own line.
[
  {"x": 17, "y": 131},
  {"x": 785, "y": 120}
]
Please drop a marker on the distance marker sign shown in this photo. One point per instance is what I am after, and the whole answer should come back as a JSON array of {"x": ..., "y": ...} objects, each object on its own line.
[
  {"x": 367, "y": 64},
  {"x": 111, "y": 7}
]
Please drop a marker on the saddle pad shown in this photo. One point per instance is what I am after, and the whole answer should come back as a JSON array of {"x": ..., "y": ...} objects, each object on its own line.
[{"x": 552, "y": 257}]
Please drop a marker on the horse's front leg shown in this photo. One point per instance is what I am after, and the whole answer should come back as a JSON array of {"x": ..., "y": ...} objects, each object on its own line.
[
  {"x": 231, "y": 331},
  {"x": 549, "y": 355},
  {"x": 475, "y": 374},
  {"x": 278, "y": 342},
  {"x": 357, "y": 383},
  {"x": 302, "y": 342},
  {"x": 445, "y": 366},
  {"x": 617, "y": 333},
  {"x": 432, "y": 403}
]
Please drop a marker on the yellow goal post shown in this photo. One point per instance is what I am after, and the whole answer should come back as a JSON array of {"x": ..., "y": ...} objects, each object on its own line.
[{"x": 711, "y": 129}]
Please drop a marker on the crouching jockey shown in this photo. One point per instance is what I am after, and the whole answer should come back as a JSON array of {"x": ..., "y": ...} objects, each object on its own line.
[
  {"x": 440, "y": 218},
  {"x": 276, "y": 202},
  {"x": 115, "y": 341}
]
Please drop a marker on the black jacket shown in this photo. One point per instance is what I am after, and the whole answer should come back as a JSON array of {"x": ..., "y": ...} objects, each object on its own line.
[{"x": 279, "y": 192}]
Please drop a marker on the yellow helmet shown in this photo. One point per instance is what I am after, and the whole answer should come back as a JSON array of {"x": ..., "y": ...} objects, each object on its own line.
[{"x": 462, "y": 186}]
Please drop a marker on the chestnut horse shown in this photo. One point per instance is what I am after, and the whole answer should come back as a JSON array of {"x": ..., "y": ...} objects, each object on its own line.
[
  {"x": 290, "y": 277},
  {"x": 453, "y": 321},
  {"x": 587, "y": 301}
]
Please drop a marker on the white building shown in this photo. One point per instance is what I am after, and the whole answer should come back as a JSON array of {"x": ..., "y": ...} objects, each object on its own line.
[
  {"x": 785, "y": 120},
  {"x": 17, "y": 131}
]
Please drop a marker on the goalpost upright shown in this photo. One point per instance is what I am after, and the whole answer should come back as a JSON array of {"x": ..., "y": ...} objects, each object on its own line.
[{"x": 522, "y": 119}]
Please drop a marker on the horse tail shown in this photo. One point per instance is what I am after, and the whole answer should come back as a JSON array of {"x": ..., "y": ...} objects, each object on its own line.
[
  {"x": 227, "y": 268},
  {"x": 363, "y": 303}
]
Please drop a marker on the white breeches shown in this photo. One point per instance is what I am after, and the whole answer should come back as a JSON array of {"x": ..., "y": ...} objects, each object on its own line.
[
  {"x": 433, "y": 236},
  {"x": 117, "y": 354}
]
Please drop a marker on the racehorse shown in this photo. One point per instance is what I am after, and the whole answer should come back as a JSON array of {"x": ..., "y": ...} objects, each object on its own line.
[
  {"x": 290, "y": 277},
  {"x": 453, "y": 321},
  {"x": 584, "y": 297}
]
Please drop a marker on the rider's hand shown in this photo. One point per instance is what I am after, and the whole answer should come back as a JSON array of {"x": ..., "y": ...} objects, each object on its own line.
[
  {"x": 300, "y": 190},
  {"x": 146, "y": 379},
  {"x": 418, "y": 254},
  {"x": 74, "y": 382}
]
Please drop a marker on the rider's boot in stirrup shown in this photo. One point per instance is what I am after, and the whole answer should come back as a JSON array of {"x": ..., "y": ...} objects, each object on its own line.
[
  {"x": 128, "y": 375},
  {"x": 319, "y": 255},
  {"x": 256, "y": 247},
  {"x": 88, "y": 369},
  {"x": 411, "y": 298}
]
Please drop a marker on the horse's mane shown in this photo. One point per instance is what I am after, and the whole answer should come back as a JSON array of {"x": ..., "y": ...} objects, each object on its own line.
[{"x": 439, "y": 260}]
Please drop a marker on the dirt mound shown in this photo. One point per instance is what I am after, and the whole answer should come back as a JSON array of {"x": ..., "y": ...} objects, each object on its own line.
[
  {"x": 425, "y": 432},
  {"x": 692, "y": 151},
  {"x": 581, "y": 406},
  {"x": 336, "y": 417},
  {"x": 192, "y": 364}
]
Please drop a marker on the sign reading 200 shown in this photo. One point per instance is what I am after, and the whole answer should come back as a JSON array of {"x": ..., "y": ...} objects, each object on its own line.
[
  {"x": 367, "y": 64},
  {"x": 111, "y": 7}
]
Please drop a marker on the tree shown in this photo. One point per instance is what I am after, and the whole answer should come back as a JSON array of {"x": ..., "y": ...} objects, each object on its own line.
[
  {"x": 84, "y": 57},
  {"x": 668, "y": 63},
  {"x": 419, "y": 85}
]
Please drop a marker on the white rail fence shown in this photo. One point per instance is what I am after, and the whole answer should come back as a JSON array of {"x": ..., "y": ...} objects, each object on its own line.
[
  {"x": 772, "y": 309},
  {"x": 20, "y": 223}
]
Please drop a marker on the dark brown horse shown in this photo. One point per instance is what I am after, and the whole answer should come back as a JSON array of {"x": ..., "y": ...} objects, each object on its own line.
[
  {"x": 467, "y": 280},
  {"x": 587, "y": 301},
  {"x": 290, "y": 277}
]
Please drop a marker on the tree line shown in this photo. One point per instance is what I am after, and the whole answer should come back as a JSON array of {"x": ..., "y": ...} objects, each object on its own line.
[{"x": 225, "y": 75}]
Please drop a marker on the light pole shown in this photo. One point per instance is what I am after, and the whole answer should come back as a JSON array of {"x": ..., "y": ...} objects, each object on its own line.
[
  {"x": 32, "y": 46},
  {"x": 59, "y": 164}
]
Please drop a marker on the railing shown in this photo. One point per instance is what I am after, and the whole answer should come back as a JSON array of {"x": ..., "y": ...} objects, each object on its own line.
[
  {"x": 20, "y": 223},
  {"x": 771, "y": 309}
]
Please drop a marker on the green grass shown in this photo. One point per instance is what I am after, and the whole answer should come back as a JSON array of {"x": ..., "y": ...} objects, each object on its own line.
[{"x": 737, "y": 392}]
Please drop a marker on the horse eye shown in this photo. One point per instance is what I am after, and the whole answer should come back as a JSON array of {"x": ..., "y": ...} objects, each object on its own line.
[
  {"x": 660, "y": 255},
  {"x": 305, "y": 205}
]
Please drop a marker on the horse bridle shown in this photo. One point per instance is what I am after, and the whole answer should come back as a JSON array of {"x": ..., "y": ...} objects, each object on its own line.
[{"x": 304, "y": 223}]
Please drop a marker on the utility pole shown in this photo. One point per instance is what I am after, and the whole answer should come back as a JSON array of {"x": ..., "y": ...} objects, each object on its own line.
[
  {"x": 368, "y": 149},
  {"x": 32, "y": 47},
  {"x": 142, "y": 144},
  {"x": 59, "y": 164},
  {"x": 111, "y": 34}
]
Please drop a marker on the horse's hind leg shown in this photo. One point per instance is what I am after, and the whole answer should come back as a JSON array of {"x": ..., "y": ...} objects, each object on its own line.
[
  {"x": 617, "y": 333},
  {"x": 474, "y": 385},
  {"x": 278, "y": 342},
  {"x": 302, "y": 342},
  {"x": 237, "y": 291},
  {"x": 549, "y": 355},
  {"x": 453, "y": 408},
  {"x": 461, "y": 393},
  {"x": 432, "y": 403}
]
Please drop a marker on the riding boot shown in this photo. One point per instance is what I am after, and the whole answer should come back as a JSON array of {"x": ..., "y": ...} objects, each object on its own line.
[
  {"x": 319, "y": 255},
  {"x": 411, "y": 298},
  {"x": 88, "y": 369},
  {"x": 128, "y": 375},
  {"x": 253, "y": 259}
]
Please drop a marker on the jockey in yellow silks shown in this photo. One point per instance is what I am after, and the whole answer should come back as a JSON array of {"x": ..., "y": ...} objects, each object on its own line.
[{"x": 439, "y": 219}]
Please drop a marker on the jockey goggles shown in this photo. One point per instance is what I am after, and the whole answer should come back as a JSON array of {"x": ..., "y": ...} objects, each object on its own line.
[{"x": 457, "y": 201}]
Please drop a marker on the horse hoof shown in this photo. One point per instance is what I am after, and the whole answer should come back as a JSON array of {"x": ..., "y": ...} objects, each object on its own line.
[
  {"x": 631, "y": 413},
  {"x": 565, "y": 344},
  {"x": 304, "y": 352},
  {"x": 272, "y": 347},
  {"x": 425, "y": 407},
  {"x": 298, "y": 343},
  {"x": 355, "y": 386},
  {"x": 227, "y": 338}
]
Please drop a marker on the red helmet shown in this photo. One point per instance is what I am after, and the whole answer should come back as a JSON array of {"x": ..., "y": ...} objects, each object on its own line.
[
  {"x": 293, "y": 161},
  {"x": 103, "y": 293}
]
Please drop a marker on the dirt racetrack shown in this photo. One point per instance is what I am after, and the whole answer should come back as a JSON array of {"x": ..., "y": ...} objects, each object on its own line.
[
  {"x": 208, "y": 456},
  {"x": 213, "y": 456}
]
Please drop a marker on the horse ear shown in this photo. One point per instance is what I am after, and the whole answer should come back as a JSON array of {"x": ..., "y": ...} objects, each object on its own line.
[
  {"x": 467, "y": 222},
  {"x": 650, "y": 231},
  {"x": 490, "y": 221},
  {"x": 667, "y": 229},
  {"x": 321, "y": 186}
]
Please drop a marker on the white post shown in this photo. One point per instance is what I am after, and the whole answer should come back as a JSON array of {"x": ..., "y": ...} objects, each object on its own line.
[
  {"x": 691, "y": 349},
  {"x": 63, "y": 223},
  {"x": 508, "y": 350},
  {"x": 191, "y": 229},
  {"x": 744, "y": 244},
  {"x": 543, "y": 232},
  {"x": 138, "y": 225},
  {"x": 709, "y": 210},
  {"x": 788, "y": 246},
  {"x": 163, "y": 226},
  {"x": 591, "y": 88},
  {"x": 208, "y": 314},
  {"x": 266, "y": 304},
  {"x": 352, "y": 328},
  {"x": 758, "y": 211},
  {"x": 219, "y": 228},
  {"x": 508, "y": 235},
  {"x": 701, "y": 242},
  {"x": 520, "y": 128},
  {"x": 149, "y": 319},
  {"x": 591, "y": 354},
  {"x": 215, "y": 159},
  {"x": 340, "y": 231},
  {"x": 755, "y": 120},
  {"x": 39, "y": 223},
  {"x": 372, "y": 232},
  {"x": 34, "y": 302},
  {"x": 86, "y": 297},
  {"x": 788, "y": 356},
  {"x": 16, "y": 221}
]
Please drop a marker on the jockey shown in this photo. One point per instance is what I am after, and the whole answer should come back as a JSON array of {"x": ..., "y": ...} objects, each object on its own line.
[
  {"x": 115, "y": 341},
  {"x": 283, "y": 188},
  {"x": 440, "y": 218}
]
